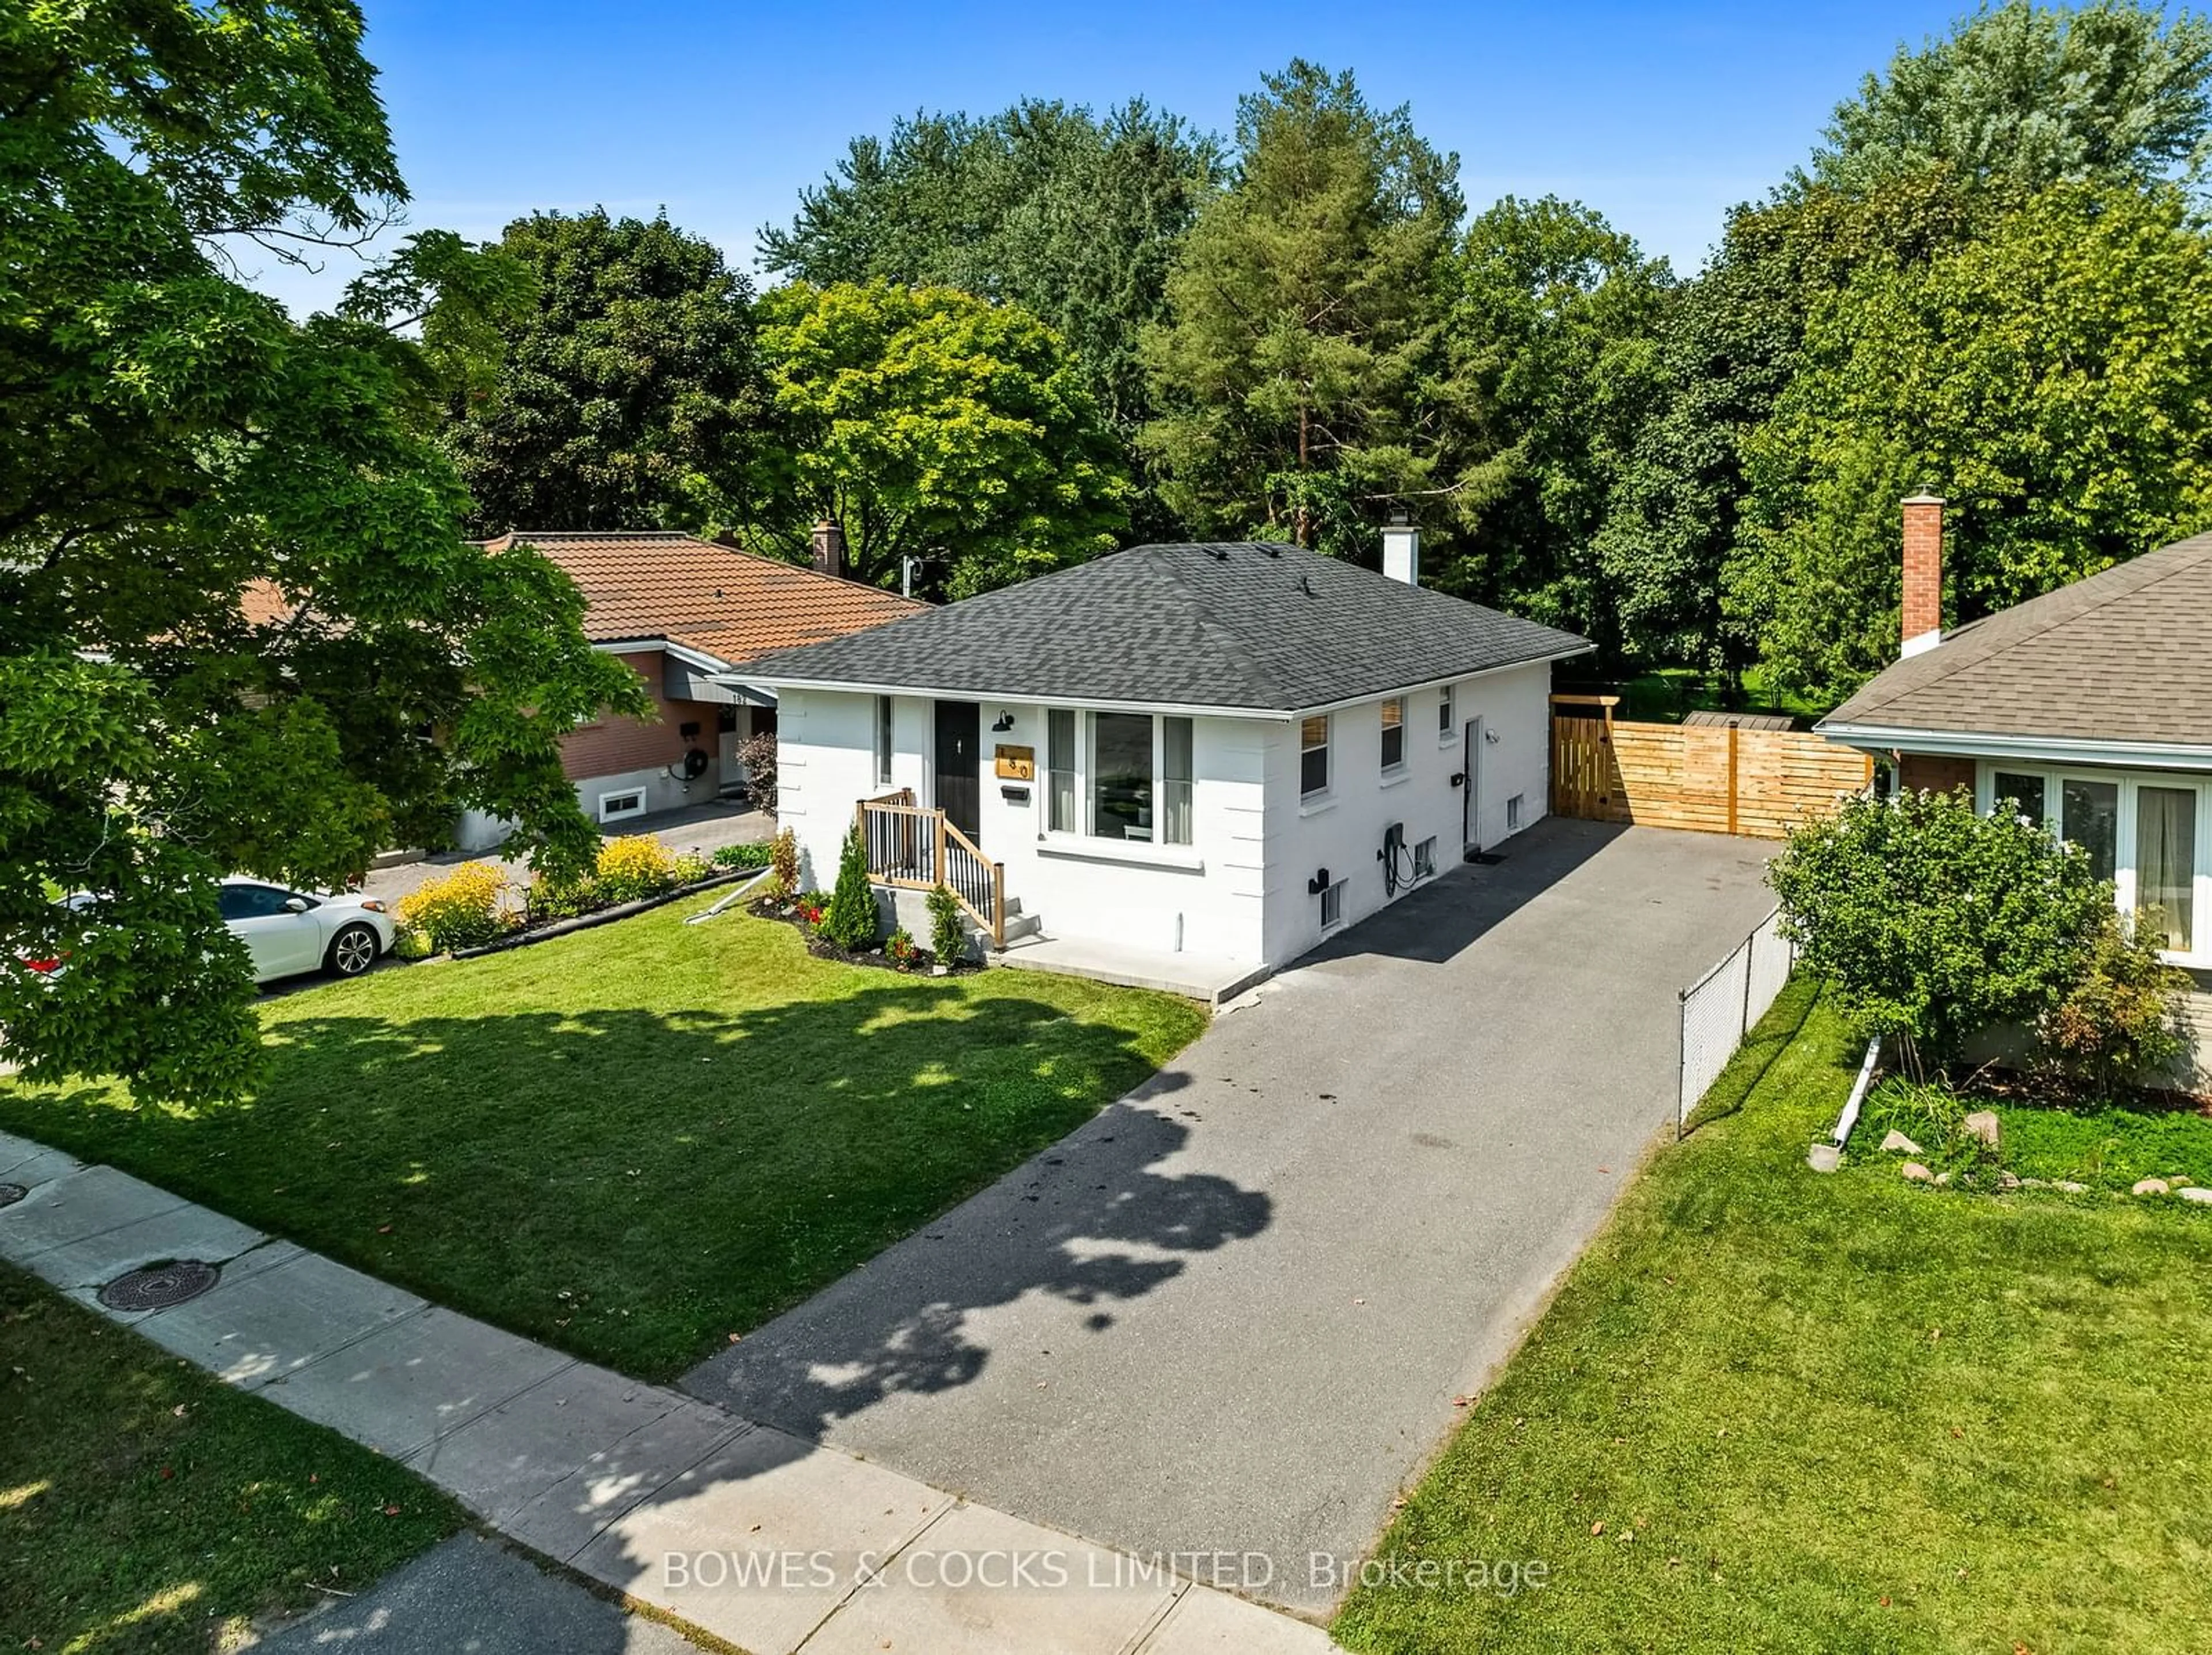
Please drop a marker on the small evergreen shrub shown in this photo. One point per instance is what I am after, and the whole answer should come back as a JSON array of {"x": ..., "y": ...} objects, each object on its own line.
[
  {"x": 461, "y": 910},
  {"x": 850, "y": 920},
  {"x": 948, "y": 927}
]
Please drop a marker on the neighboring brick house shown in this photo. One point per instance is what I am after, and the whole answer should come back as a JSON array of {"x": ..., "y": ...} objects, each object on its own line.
[
  {"x": 686, "y": 615},
  {"x": 2089, "y": 709}
]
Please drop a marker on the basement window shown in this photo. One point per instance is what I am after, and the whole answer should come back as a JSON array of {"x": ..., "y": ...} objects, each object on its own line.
[
  {"x": 1513, "y": 814},
  {"x": 1425, "y": 859},
  {"x": 621, "y": 807},
  {"x": 1332, "y": 905}
]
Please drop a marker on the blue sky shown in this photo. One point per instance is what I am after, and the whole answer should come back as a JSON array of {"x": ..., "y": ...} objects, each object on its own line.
[{"x": 1660, "y": 116}]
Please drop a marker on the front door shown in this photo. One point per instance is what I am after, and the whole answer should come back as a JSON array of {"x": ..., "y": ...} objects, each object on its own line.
[
  {"x": 960, "y": 765},
  {"x": 1470, "y": 792}
]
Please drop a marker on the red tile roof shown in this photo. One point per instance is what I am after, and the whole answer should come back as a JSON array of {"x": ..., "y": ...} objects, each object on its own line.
[{"x": 727, "y": 604}]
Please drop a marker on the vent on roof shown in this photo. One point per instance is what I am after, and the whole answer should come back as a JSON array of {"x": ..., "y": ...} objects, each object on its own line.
[
  {"x": 1219, "y": 554},
  {"x": 1305, "y": 584}
]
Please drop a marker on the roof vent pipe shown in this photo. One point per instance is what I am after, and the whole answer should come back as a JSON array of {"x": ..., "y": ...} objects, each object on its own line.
[{"x": 1401, "y": 549}]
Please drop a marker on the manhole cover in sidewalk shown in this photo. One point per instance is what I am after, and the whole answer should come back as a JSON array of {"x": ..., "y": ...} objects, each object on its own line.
[
  {"x": 157, "y": 1287},
  {"x": 11, "y": 1192}
]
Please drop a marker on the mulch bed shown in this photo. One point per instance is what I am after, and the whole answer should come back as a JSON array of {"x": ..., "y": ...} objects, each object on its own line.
[{"x": 778, "y": 908}]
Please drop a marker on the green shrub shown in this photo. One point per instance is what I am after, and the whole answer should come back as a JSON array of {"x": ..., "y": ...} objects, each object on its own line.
[
  {"x": 901, "y": 950},
  {"x": 461, "y": 910},
  {"x": 2122, "y": 1019},
  {"x": 691, "y": 867},
  {"x": 1934, "y": 921},
  {"x": 850, "y": 920},
  {"x": 733, "y": 858},
  {"x": 634, "y": 867},
  {"x": 948, "y": 927}
]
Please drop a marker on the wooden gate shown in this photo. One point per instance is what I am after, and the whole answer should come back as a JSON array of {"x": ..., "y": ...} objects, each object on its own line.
[{"x": 1725, "y": 780}]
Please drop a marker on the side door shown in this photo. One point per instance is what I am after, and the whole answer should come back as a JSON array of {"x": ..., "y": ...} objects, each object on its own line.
[
  {"x": 959, "y": 762},
  {"x": 279, "y": 941}
]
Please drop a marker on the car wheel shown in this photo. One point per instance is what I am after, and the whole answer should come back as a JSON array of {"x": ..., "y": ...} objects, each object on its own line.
[{"x": 353, "y": 951}]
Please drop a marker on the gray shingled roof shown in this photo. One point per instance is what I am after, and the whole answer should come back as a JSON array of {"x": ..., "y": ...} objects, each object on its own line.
[
  {"x": 2126, "y": 656},
  {"x": 1265, "y": 626}
]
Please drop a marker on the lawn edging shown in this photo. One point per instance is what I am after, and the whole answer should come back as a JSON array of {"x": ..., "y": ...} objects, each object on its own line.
[{"x": 621, "y": 910}]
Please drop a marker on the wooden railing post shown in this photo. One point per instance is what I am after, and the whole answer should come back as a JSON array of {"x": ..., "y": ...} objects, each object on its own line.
[
  {"x": 939, "y": 867},
  {"x": 998, "y": 906}
]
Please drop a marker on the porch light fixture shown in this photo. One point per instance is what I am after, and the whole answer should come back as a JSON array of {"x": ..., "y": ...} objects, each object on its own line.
[
  {"x": 1318, "y": 883},
  {"x": 1006, "y": 723}
]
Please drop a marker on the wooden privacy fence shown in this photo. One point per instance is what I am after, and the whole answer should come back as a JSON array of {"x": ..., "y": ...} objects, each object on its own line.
[{"x": 1760, "y": 782}]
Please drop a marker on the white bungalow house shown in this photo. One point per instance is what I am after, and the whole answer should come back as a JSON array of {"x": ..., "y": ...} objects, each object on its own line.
[{"x": 1222, "y": 750}]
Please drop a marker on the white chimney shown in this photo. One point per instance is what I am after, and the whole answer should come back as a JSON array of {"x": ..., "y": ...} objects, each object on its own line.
[{"x": 1401, "y": 551}]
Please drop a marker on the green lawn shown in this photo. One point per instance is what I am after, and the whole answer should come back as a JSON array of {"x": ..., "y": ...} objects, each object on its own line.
[
  {"x": 632, "y": 1141},
  {"x": 144, "y": 1506},
  {"x": 1771, "y": 1410}
]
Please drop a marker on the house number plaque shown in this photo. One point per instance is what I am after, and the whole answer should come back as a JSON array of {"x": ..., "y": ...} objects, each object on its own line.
[{"x": 1016, "y": 763}]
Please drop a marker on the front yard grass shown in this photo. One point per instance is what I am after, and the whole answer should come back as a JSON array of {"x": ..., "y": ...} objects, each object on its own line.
[
  {"x": 144, "y": 1506},
  {"x": 1774, "y": 1410},
  {"x": 633, "y": 1142}
]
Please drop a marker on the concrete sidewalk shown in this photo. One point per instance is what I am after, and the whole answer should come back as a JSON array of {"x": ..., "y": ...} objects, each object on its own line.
[{"x": 745, "y": 1532}]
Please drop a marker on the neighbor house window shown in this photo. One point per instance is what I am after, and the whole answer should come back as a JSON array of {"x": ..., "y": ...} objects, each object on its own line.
[
  {"x": 619, "y": 807},
  {"x": 1445, "y": 728},
  {"x": 1059, "y": 770},
  {"x": 1313, "y": 756},
  {"x": 882, "y": 742},
  {"x": 2166, "y": 864},
  {"x": 1394, "y": 734},
  {"x": 1128, "y": 776},
  {"x": 2144, "y": 833}
]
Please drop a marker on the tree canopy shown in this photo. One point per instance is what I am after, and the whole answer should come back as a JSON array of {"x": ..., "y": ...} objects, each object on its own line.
[
  {"x": 629, "y": 395},
  {"x": 1295, "y": 370},
  {"x": 933, "y": 424},
  {"x": 239, "y": 630}
]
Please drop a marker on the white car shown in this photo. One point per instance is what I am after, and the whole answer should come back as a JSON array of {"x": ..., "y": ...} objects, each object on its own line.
[{"x": 289, "y": 932}]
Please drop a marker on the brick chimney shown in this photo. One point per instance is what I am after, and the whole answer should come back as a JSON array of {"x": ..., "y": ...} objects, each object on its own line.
[
  {"x": 829, "y": 547},
  {"x": 1923, "y": 573}
]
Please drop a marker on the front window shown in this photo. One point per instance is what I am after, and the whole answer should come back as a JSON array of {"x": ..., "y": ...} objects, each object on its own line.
[
  {"x": 2165, "y": 863},
  {"x": 882, "y": 742},
  {"x": 1393, "y": 734},
  {"x": 1119, "y": 776},
  {"x": 1313, "y": 756},
  {"x": 2141, "y": 833}
]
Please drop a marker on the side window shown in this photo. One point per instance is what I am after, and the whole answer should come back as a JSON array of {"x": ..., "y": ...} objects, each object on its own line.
[
  {"x": 1394, "y": 734},
  {"x": 1445, "y": 729},
  {"x": 1313, "y": 756},
  {"x": 251, "y": 901}
]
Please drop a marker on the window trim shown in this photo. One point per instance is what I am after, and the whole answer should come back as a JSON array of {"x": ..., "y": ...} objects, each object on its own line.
[
  {"x": 2054, "y": 777},
  {"x": 640, "y": 792}
]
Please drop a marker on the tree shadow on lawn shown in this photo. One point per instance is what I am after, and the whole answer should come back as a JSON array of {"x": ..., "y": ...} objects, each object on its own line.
[{"x": 636, "y": 1186}]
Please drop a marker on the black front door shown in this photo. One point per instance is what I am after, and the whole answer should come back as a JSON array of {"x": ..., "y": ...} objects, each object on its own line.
[{"x": 960, "y": 765}]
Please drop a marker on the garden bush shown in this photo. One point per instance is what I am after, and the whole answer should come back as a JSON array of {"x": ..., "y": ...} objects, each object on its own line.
[
  {"x": 850, "y": 920},
  {"x": 2122, "y": 1019},
  {"x": 739, "y": 858},
  {"x": 461, "y": 910},
  {"x": 1934, "y": 921},
  {"x": 948, "y": 927},
  {"x": 634, "y": 867},
  {"x": 757, "y": 754},
  {"x": 783, "y": 857}
]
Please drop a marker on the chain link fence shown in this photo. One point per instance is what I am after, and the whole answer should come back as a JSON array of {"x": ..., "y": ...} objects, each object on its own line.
[{"x": 1720, "y": 1008}]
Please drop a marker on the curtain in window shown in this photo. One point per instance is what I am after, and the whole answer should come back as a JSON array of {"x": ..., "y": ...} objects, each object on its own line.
[
  {"x": 1174, "y": 781},
  {"x": 1059, "y": 770},
  {"x": 2165, "y": 863}
]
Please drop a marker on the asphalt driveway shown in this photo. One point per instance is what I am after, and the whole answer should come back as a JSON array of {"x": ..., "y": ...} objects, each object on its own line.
[{"x": 1230, "y": 1315}]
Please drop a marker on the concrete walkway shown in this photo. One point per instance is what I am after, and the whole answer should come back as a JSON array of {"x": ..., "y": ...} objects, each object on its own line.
[
  {"x": 1232, "y": 1313},
  {"x": 753, "y": 1536}
]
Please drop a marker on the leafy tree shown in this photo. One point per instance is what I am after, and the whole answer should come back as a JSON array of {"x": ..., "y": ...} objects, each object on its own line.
[
  {"x": 1553, "y": 346},
  {"x": 2030, "y": 96},
  {"x": 234, "y": 596},
  {"x": 2053, "y": 378},
  {"x": 629, "y": 394},
  {"x": 1933, "y": 921},
  {"x": 851, "y": 921},
  {"x": 1073, "y": 216},
  {"x": 1307, "y": 305},
  {"x": 933, "y": 423}
]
